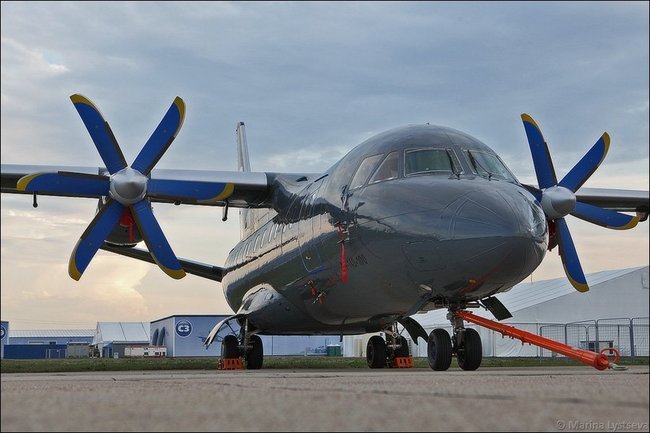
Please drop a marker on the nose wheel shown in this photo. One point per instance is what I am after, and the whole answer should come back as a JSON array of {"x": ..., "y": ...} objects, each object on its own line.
[
  {"x": 470, "y": 351},
  {"x": 465, "y": 344},
  {"x": 439, "y": 350}
]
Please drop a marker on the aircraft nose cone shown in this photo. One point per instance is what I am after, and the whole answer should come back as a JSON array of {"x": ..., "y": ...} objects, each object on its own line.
[{"x": 498, "y": 234}]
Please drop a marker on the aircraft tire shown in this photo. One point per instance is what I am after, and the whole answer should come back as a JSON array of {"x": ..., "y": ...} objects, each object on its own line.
[
  {"x": 470, "y": 354},
  {"x": 255, "y": 356},
  {"x": 376, "y": 352},
  {"x": 439, "y": 350},
  {"x": 403, "y": 351},
  {"x": 230, "y": 347}
]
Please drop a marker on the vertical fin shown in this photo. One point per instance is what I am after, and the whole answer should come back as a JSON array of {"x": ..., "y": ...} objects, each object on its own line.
[{"x": 243, "y": 164}]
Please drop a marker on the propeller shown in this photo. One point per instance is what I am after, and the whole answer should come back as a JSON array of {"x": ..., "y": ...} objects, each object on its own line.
[
  {"x": 558, "y": 199},
  {"x": 128, "y": 188}
]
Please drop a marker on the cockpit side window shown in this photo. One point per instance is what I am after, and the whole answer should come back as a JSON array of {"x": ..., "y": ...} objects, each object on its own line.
[
  {"x": 420, "y": 161},
  {"x": 364, "y": 170},
  {"x": 388, "y": 169},
  {"x": 489, "y": 165}
]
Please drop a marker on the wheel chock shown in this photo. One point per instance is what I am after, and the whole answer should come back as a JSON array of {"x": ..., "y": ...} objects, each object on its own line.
[
  {"x": 230, "y": 364},
  {"x": 402, "y": 362}
]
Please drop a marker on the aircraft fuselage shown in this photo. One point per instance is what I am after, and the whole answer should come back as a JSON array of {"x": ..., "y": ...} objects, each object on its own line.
[{"x": 432, "y": 216}]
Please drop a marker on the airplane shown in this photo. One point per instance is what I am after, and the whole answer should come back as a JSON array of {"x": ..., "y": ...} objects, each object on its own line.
[{"x": 416, "y": 218}]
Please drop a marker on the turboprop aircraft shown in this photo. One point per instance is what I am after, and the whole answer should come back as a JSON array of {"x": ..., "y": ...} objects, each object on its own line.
[{"x": 416, "y": 218}]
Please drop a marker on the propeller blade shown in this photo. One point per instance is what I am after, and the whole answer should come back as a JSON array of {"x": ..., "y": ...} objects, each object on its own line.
[
  {"x": 161, "y": 138},
  {"x": 587, "y": 165},
  {"x": 65, "y": 183},
  {"x": 604, "y": 217},
  {"x": 94, "y": 236},
  {"x": 189, "y": 190},
  {"x": 101, "y": 133},
  {"x": 569, "y": 257},
  {"x": 539, "y": 151},
  {"x": 153, "y": 236}
]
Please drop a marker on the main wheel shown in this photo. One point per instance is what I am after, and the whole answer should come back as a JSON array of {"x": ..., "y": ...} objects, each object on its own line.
[
  {"x": 230, "y": 347},
  {"x": 376, "y": 352},
  {"x": 403, "y": 351},
  {"x": 470, "y": 353},
  {"x": 439, "y": 350},
  {"x": 255, "y": 356}
]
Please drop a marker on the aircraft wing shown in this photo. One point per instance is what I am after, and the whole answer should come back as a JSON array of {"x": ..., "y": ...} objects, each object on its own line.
[
  {"x": 623, "y": 200},
  {"x": 190, "y": 266},
  {"x": 242, "y": 189},
  {"x": 615, "y": 199}
]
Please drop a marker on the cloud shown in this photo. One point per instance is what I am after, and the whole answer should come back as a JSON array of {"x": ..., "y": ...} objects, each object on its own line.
[{"x": 311, "y": 81}]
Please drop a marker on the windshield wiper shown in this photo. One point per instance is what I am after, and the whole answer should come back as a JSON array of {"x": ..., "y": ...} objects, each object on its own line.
[{"x": 475, "y": 161}]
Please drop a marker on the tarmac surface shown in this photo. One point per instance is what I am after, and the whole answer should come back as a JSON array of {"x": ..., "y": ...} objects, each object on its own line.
[{"x": 490, "y": 399}]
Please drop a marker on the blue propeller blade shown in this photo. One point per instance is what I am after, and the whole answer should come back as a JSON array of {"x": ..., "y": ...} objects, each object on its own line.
[
  {"x": 587, "y": 165},
  {"x": 604, "y": 217},
  {"x": 569, "y": 257},
  {"x": 100, "y": 132},
  {"x": 539, "y": 150},
  {"x": 161, "y": 138},
  {"x": 189, "y": 190},
  {"x": 65, "y": 183},
  {"x": 155, "y": 239},
  {"x": 94, "y": 236}
]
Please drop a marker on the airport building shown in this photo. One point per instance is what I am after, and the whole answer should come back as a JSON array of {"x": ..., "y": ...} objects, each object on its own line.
[
  {"x": 172, "y": 336},
  {"x": 4, "y": 336},
  {"x": 45, "y": 343},
  {"x": 112, "y": 338},
  {"x": 184, "y": 336}
]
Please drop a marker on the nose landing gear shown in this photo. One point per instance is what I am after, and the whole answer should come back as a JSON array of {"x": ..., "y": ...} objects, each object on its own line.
[{"x": 465, "y": 344}]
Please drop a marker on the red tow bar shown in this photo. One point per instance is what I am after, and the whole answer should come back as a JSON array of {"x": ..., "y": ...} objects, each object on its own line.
[{"x": 599, "y": 361}]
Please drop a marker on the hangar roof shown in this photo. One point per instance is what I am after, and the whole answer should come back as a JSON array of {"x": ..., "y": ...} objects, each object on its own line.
[
  {"x": 121, "y": 332},
  {"x": 50, "y": 333},
  {"x": 527, "y": 294}
]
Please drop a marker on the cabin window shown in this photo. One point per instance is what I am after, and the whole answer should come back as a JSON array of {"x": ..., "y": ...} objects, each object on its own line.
[
  {"x": 420, "y": 161},
  {"x": 489, "y": 165},
  {"x": 364, "y": 170},
  {"x": 389, "y": 169}
]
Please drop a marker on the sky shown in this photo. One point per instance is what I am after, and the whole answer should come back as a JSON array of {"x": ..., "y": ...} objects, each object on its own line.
[{"x": 311, "y": 81}]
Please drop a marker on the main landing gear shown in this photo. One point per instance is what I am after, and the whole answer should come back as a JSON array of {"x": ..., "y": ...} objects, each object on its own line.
[
  {"x": 247, "y": 345},
  {"x": 381, "y": 353},
  {"x": 465, "y": 344}
]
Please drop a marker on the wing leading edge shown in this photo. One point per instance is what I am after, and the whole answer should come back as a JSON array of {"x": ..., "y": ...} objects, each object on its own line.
[
  {"x": 243, "y": 189},
  {"x": 622, "y": 200}
]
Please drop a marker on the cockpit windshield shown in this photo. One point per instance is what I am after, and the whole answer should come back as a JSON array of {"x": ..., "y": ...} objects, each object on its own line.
[
  {"x": 420, "y": 161},
  {"x": 490, "y": 166}
]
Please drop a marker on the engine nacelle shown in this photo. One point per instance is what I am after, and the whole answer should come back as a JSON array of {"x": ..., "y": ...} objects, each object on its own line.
[{"x": 126, "y": 233}]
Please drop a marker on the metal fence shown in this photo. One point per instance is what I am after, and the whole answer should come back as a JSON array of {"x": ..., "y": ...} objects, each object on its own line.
[{"x": 628, "y": 335}]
